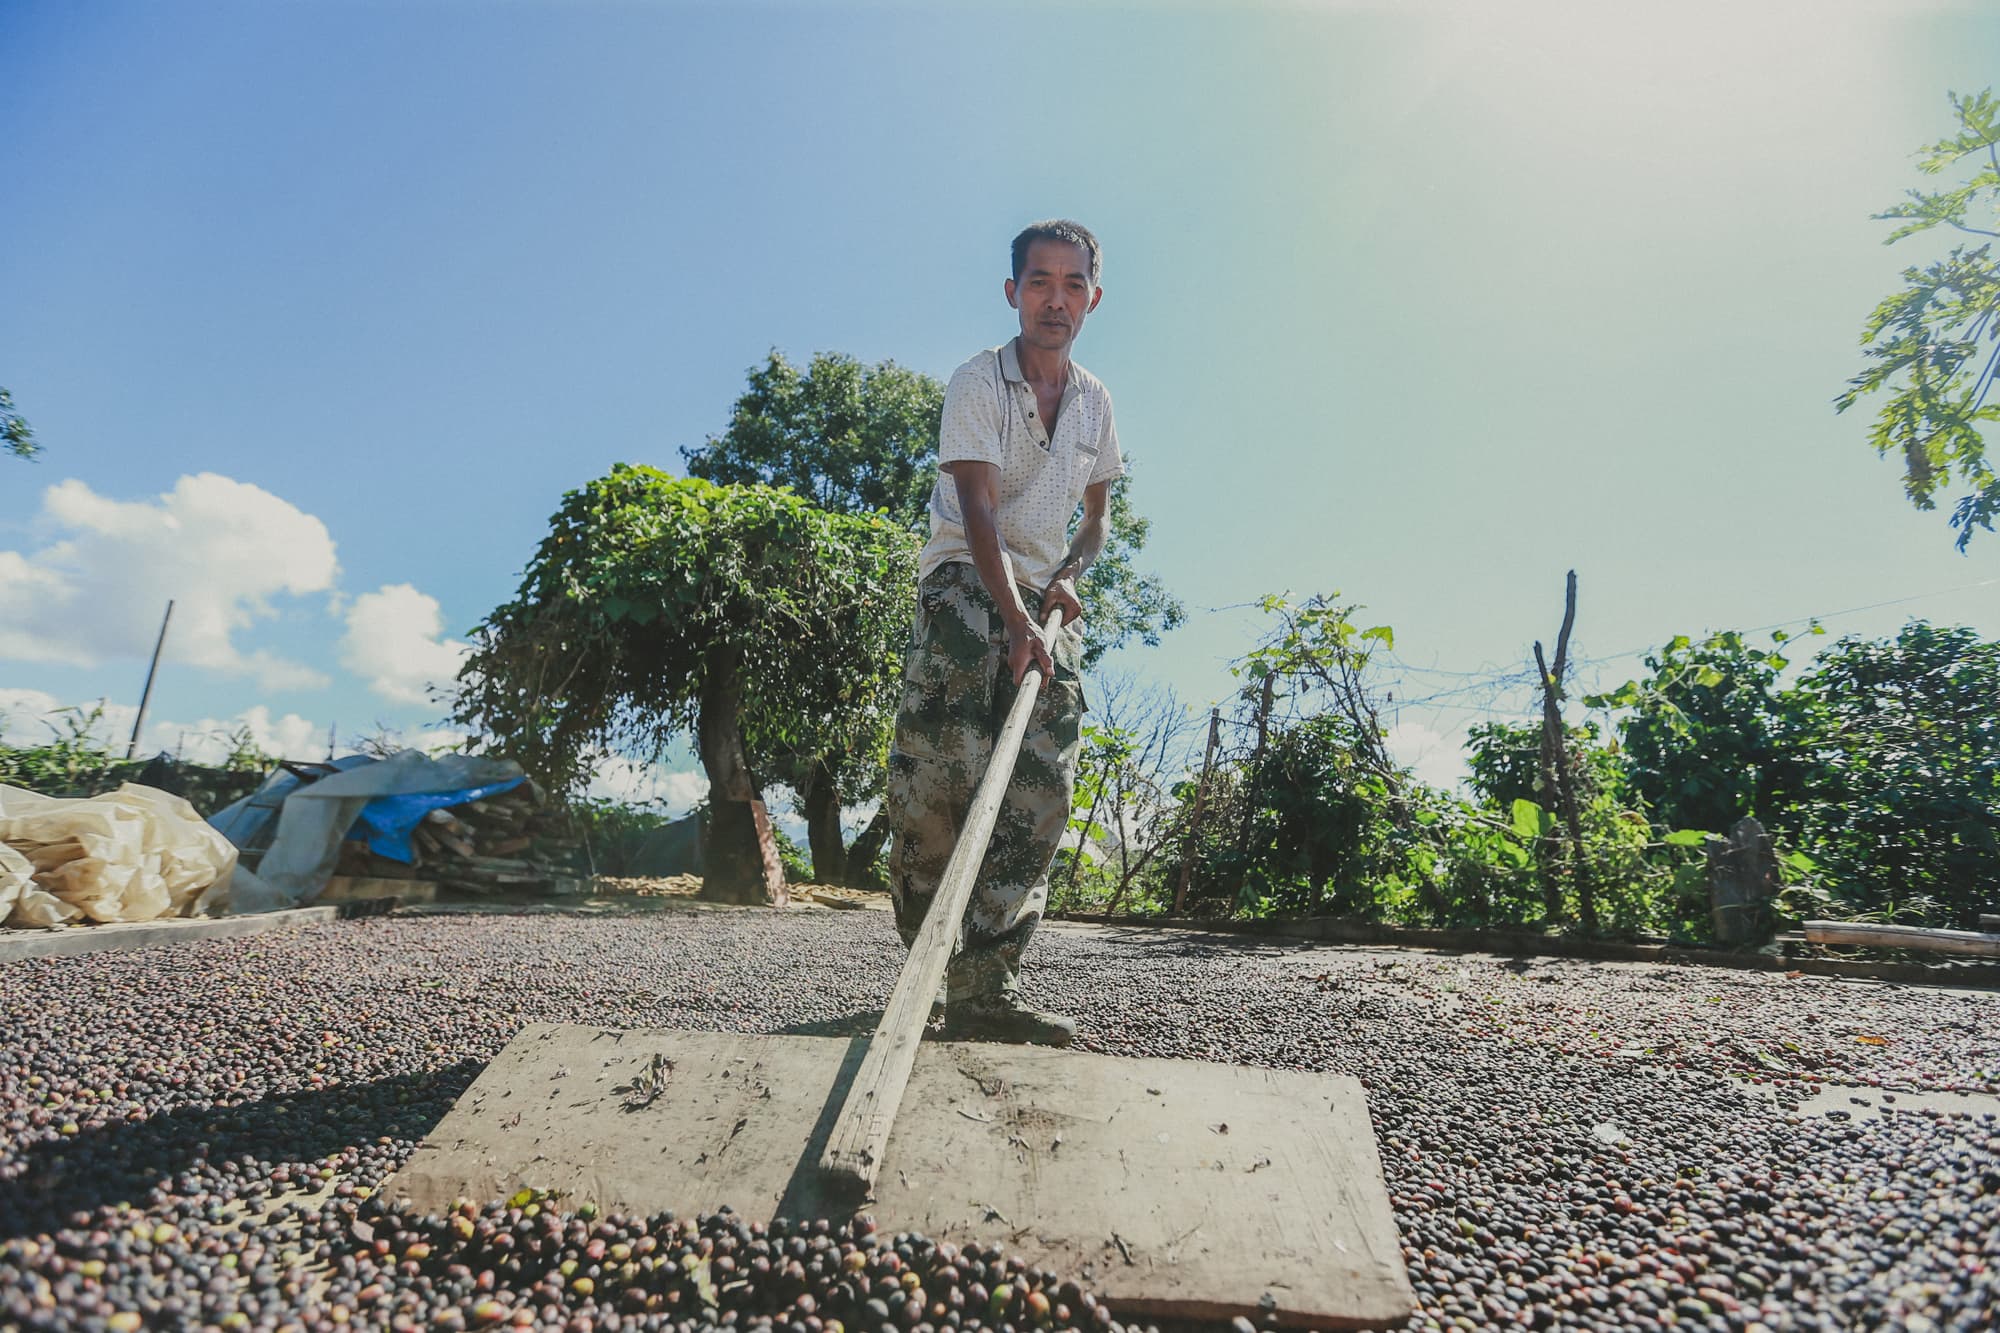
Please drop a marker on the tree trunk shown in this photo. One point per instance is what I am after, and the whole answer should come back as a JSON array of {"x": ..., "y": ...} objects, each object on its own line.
[
  {"x": 867, "y": 849},
  {"x": 822, "y": 802},
  {"x": 735, "y": 862},
  {"x": 1548, "y": 846},
  {"x": 1194, "y": 820},
  {"x": 1253, "y": 787},
  {"x": 1558, "y": 774}
]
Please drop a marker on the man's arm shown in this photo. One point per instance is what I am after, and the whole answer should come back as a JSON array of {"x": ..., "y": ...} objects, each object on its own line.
[
  {"x": 978, "y": 496},
  {"x": 1084, "y": 548}
]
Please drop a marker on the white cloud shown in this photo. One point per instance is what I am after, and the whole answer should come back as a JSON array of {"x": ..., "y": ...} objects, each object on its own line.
[
  {"x": 679, "y": 791},
  {"x": 1436, "y": 757},
  {"x": 392, "y": 642},
  {"x": 211, "y": 740},
  {"x": 783, "y": 804},
  {"x": 855, "y": 818},
  {"x": 620, "y": 779},
  {"x": 220, "y": 549},
  {"x": 35, "y": 717}
]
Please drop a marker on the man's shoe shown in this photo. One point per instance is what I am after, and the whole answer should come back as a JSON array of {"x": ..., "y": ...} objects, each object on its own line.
[{"x": 1004, "y": 1018}]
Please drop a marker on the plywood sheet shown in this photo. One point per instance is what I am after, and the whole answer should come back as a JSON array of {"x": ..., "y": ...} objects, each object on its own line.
[{"x": 1173, "y": 1188}]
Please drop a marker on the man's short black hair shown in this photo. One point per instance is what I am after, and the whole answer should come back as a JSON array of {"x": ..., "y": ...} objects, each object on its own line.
[{"x": 1057, "y": 229}]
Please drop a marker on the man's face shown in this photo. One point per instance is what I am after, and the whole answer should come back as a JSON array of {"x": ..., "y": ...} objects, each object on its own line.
[{"x": 1053, "y": 294}]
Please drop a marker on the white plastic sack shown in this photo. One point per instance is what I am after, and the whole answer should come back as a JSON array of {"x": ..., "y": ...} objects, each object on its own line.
[
  {"x": 16, "y": 875},
  {"x": 136, "y": 854}
]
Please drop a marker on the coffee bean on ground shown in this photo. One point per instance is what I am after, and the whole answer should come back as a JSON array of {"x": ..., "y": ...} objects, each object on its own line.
[{"x": 191, "y": 1137}]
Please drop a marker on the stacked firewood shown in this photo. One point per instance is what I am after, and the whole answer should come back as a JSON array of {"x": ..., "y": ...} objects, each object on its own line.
[{"x": 510, "y": 843}]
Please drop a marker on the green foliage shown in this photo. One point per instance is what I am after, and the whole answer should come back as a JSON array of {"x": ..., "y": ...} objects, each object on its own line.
[
  {"x": 1935, "y": 344},
  {"x": 69, "y": 763},
  {"x": 1644, "y": 885},
  {"x": 1877, "y": 771},
  {"x": 1126, "y": 815},
  {"x": 850, "y": 438},
  {"x": 1313, "y": 815},
  {"x": 860, "y": 439},
  {"x": 1505, "y": 759},
  {"x": 1084, "y": 880},
  {"x": 1315, "y": 827},
  {"x": 16, "y": 436},
  {"x": 1879, "y": 768},
  {"x": 650, "y": 594},
  {"x": 614, "y": 832},
  {"x": 78, "y": 761},
  {"x": 1900, "y": 809},
  {"x": 798, "y": 865},
  {"x": 1323, "y": 821},
  {"x": 1706, "y": 735}
]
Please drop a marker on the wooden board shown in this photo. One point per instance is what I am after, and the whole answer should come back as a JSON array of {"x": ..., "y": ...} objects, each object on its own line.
[
  {"x": 1172, "y": 1188},
  {"x": 1904, "y": 937},
  {"x": 363, "y": 888}
]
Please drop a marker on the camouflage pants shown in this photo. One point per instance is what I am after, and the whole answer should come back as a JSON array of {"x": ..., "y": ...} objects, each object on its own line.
[{"x": 956, "y": 694}]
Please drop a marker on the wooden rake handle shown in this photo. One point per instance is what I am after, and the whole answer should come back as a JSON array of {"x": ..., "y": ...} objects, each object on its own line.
[{"x": 853, "y": 1155}]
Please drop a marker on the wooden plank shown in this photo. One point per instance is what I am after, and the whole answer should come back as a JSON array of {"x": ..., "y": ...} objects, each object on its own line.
[
  {"x": 1904, "y": 937},
  {"x": 359, "y": 888},
  {"x": 1173, "y": 1188},
  {"x": 854, "y": 1154},
  {"x": 65, "y": 941}
]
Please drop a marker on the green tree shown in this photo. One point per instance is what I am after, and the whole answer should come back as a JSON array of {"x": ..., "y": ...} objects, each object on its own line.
[
  {"x": 859, "y": 439},
  {"x": 1506, "y": 762},
  {"x": 1321, "y": 805},
  {"x": 1314, "y": 832},
  {"x": 740, "y": 616},
  {"x": 1901, "y": 809},
  {"x": 1708, "y": 735},
  {"x": 16, "y": 436},
  {"x": 1935, "y": 344}
]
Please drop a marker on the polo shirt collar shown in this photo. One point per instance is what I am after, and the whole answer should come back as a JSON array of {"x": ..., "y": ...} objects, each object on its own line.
[
  {"x": 1010, "y": 362},
  {"x": 1010, "y": 370}
]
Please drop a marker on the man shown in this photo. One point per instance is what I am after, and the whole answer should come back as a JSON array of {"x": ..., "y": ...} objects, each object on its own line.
[{"x": 1027, "y": 435}]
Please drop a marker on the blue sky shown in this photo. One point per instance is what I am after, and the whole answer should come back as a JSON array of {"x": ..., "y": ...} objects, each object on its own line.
[{"x": 318, "y": 308}]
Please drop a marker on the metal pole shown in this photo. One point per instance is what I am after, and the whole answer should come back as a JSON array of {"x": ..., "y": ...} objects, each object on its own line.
[{"x": 146, "y": 696}]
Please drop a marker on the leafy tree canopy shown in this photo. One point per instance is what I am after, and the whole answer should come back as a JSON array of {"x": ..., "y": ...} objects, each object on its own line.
[
  {"x": 653, "y": 599},
  {"x": 16, "y": 436},
  {"x": 859, "y": 439},
  {"x": 1505, "y": 759},
  {"x": 1902, "y": 808},
  {"x": 1880, "y": 764},
  {"x": 1935, "y": 345},
  {"x": 1707, "y": 737}
]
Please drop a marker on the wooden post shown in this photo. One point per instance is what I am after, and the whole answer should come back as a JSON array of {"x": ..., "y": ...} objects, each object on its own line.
[
  {"x": 1254, "y": 780},
  {"x": 146, "y": 695},
  {"x": 1556, "y": 768},
  {"x": 1200, "y": 799},
  {"x": 854, "y": 1150}
]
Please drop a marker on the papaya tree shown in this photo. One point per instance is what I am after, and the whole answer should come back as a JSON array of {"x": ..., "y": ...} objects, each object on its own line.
[
  {"x": 17, "y": 437},
  {"x": 740, "y": 617},
  {"x": 1934, "y": 346}
]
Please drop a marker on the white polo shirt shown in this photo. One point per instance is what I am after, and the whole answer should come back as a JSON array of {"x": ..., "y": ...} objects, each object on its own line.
[{"x": 990, "y": 417}]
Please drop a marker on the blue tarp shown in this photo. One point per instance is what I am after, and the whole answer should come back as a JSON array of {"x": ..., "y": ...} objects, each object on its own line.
[{"x": 389, "y": 820}]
